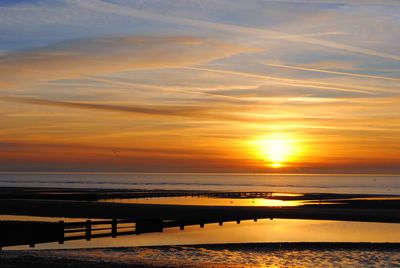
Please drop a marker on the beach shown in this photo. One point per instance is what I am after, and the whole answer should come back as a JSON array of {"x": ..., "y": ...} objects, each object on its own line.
[
  {"x": 174, "y": 220},
  {"x": 357, "y": 207},
  {"x": 46, "y": 206}
]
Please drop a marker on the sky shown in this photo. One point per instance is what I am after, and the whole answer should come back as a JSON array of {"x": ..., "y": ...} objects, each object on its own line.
[{"x": 241, "y": 86}]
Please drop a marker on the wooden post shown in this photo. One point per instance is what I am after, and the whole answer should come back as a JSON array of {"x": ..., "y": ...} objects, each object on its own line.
[
  {"x": 255, "y": 219},
  {"x": 88, "y": 230},
  {"x": 114, "y": 228},
  {"x": 201, "y": 225},
  {"x": 33, "y": 235},
  {"x": 238, "y": 221},
  {"x": 61, "y": 232},
  {"x": 220, "y": 223}
]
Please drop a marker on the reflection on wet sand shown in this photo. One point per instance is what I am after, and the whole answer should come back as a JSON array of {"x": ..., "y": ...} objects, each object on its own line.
[
  {"x": 269, "y": 200},
  {"x": 262, "y": 231},
  {"x": 210, "y": 201}
]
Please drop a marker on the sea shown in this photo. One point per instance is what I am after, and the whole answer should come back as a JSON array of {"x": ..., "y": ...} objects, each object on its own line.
[
  {"x": 193, "y": 246},
  {"x": 291, "y": 183}
]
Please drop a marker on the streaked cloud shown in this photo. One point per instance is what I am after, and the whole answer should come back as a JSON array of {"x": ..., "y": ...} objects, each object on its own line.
[
  {"x": 73, "y": 59},
  {"x": 351, "y": 2},
  {"x": 140, "y": 109},
  {"x": 291, "y": 82},
  {"x": 107, "y": 7},
  {"x": 332, "y": 72}
]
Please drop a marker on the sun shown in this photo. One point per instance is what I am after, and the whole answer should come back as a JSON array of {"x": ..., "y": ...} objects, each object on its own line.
[
  {"x": 276, "y": 149},
  {"x": 276, "y": 165}
]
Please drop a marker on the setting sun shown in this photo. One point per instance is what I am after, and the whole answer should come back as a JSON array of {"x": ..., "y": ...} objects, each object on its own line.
[{"x": 277, "y": 149}]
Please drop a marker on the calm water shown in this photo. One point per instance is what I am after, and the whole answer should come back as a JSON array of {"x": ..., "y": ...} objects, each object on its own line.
[{"x": 373, "y": 184}]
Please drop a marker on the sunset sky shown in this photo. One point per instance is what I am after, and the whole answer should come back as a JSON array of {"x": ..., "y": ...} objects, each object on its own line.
[{"x": 200, "y": 86}]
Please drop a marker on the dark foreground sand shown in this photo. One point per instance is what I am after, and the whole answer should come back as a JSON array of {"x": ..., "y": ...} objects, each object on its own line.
[
  {"x": 73, "y": 258},
  {"x": 223, "y": 255}
]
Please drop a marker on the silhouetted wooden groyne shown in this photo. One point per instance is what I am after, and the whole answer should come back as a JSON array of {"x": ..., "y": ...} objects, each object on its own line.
[
  {"x": 32, "y": 233},
  {"x": 123, "y": 219},
  {"x": 128, "y": 195},
  {"x": 95, "y": 195}
]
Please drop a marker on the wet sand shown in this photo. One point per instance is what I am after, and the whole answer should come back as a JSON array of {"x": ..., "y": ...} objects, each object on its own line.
[
  {"x": 73, "y": 203},
  {"x": 222, "y": 255},
  {"x": 102, "y": 210}
]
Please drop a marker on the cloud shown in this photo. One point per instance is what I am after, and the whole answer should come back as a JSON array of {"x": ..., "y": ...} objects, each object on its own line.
[
  {"x": 255, "y": 112},
  {"x": 295, "y": 82},
  {"x": 140, "y": 109},
  {"x": 205, "y": 111},
  {"x": 106, "y": 7},
  {"x": 344, "y": 2},
  {"x": 73, "y": 59},
  {"x": 124, "y": 150},
  {"x": 332, "y": 72}
]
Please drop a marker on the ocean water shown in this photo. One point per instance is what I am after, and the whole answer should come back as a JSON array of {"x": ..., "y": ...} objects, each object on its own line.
[{"x": 296, "y": 183}]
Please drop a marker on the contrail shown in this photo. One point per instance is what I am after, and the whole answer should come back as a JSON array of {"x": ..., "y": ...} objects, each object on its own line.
[
  {"x": 331, "y": 72},
  {"x": 357, "y": 2},
  {"x": 261, "y": 33},
  {"x": 282, "y": 81},
  {"x": 157, "y": 87},
  {"x": 288, "y": 81}
]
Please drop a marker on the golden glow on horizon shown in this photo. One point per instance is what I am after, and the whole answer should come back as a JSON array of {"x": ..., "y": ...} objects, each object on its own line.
[{"x": 276, "y": 165}]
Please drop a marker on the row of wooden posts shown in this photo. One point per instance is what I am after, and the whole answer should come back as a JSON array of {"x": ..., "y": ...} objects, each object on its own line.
[
  {"x": 67, "y": 231},
  {"x": 122, "y": 195},
  {"x": 143, "y": 226}
]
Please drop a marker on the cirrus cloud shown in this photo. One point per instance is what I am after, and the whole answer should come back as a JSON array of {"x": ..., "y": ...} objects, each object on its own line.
[{"x": 79, "y": 58}]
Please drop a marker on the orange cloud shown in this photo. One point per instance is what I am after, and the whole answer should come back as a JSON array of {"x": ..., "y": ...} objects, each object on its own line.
[{"x": 79, "y": 58}]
